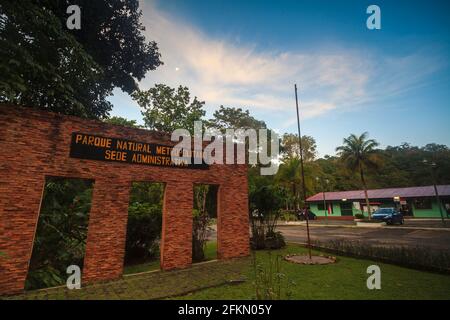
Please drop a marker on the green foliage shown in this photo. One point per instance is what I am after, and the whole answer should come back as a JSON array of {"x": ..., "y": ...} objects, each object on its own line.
[
  {"x": 205, "y": 199},
  {"x": 289, "y": 178},
  {"x": 144, "y": 222},
  {"x": 143, "y": 232},
  {"x": 403, "y": 166},
  {"x": 234, "y": 118},
  {"x": 400, "y": 166},
  {"x": 358, "y": 152},
  {"x": 344, "y": 280},
  {"x": 288, "y": 215},
  {"x": 119, "y": 121},
  {"x": 167, "y": 109},
  {"x": 45, "y": 65},
  {"x": 267, "y": 199},
  {"x": 61, "y": 232},
  {"x": 289, "y": 175},
  {"x": 290, "y": 147},
  {"x": 265, "y": 204},
  {"x": 274, "y": 240},
  {"x": 270, "y": 283},
  {"x": 414, "y": 257}
]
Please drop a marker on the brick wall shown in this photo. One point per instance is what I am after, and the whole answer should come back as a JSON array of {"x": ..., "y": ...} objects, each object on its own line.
[{"x": 36, "y": 144}]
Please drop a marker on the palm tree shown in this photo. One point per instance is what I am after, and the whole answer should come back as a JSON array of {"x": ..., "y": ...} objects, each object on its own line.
[
  {"x": 358, "y": 153},
  {"x": 289, "y": 176}
]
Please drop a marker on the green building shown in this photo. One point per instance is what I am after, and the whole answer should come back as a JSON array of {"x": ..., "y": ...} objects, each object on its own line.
[{"x": 419, "y": 202}]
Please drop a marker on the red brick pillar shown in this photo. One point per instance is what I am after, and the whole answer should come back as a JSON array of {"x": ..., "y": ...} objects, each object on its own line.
[
  {"x": 105, "y": 248},
  {"x": 232, "y": 220},
  {"x": 176, "y": 238},
  {"x": 20, "y": 199}
]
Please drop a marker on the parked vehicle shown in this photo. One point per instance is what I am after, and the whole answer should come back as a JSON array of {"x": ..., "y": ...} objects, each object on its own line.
[
  {"x": 301, "y": 215},
  {"x": 388, "y": 215}
]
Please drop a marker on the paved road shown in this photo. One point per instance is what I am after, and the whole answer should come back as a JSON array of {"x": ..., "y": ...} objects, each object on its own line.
[{"x": 432, "y": 239}]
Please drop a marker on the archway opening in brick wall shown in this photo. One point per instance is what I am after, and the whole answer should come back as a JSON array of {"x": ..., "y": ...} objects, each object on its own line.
[
  {"x": 205, "y": 222},
  {"x": 61, "y": 231},
  {"x": 144, "y": 227},
  {"x": 42, "y": 144}
]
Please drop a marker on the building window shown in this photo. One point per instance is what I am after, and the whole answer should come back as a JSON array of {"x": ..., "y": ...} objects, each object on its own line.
[
  {"x": 321, "y": 207},
  {"x": 422, "y": 203}
]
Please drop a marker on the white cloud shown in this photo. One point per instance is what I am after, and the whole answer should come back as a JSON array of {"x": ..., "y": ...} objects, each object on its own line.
[{"x": 223, "y": 72}]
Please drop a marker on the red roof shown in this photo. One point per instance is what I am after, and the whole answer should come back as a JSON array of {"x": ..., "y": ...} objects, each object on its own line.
[{"x": 426, "y": 191}]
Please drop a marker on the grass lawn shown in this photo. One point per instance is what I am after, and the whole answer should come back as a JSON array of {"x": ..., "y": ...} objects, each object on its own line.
[
  {"x": 346, "y": 279},
  {"x": 143, "y": 267},
  {"x": 211, "y": 250},
  {"x": 210, "y": 254}
]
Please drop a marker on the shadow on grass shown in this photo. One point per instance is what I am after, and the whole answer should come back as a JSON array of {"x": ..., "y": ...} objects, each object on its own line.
[{"x": 210, "y": 254}]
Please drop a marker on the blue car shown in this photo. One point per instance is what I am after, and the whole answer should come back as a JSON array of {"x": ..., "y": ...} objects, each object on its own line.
[{"x": 388, "y": 215}]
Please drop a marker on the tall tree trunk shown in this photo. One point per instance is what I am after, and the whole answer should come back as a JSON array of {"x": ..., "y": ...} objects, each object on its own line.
[
  {"x": 294, "y": 191},
  {"x": 361, "y": 172}
]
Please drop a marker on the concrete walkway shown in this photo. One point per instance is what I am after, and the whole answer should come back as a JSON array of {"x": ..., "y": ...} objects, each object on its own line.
[{"x": 412, "y": 224}]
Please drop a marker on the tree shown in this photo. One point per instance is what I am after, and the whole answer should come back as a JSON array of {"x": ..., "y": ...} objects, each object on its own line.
[
  {"x": 290, "y": 147},
  {"x": 122, "y": 122},
  {"x": 358, "y": 153},
  {"x": 265, "y": 212},
  {"x": 167, "y": 109},
  {"x": 205, "y": 208},
  {"x": 61, "y": 231},
  {"x": 289, "y": 177},
  {"x": 46, "y": 65},
  {"x": 144, "y": 222},
  {"x": 234, "y": 118}
]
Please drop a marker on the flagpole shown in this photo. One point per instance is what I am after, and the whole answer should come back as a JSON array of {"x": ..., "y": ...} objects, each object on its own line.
[{"x": 303, "y": 174}]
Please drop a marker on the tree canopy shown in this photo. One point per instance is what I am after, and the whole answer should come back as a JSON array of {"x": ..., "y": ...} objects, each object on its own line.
[
  {"x": 46, "y": 65},
  {"x": 120, "y": 121},
  {"x": 359, "y": 153},
  {"x": 228, "y": 117},
  {"x": 290, "y": 147},
  {"x": 167, "y": 109}
]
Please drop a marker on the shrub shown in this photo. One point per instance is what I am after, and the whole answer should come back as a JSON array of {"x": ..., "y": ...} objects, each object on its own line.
[
  {"x": 205, "y": 210},
  {"x": 266, "y": 202},
  {"x": 275, "y": 240},
  {"x": 200, "y": 230},
  {"x": 288, "y": 216},
  {"x": 61, "y": 232},
  {"x": 415, "y": 257},
  {"x": 270, "y": 282},
  {"x": 143, "y": 232},
  {"x": 359, "y": 216}
]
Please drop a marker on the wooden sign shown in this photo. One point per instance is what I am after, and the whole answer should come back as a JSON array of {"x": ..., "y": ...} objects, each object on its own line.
[{"x": 93, "y": 147}]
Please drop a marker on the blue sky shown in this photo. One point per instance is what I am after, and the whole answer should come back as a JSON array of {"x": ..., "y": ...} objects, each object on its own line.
[{"x": 393, "y": 82}]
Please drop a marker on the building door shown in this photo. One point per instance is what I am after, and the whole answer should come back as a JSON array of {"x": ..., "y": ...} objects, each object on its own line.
[{"x": 346, "y": 209}]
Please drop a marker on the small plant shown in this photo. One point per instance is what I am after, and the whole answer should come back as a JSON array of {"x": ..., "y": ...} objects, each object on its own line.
[
  {"x": 201, "y": 221},
  {"x": 264, "y": 217},
  {"x": 413, "y": 257},
  {"x": 359, "y": 216},
  {"x": 270, "y": 282},
  {"x": 200, "y": 230},
  {"x": 288, "y": 216}
]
